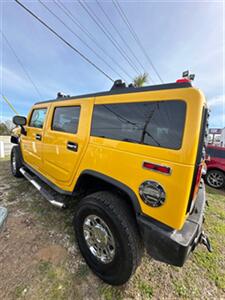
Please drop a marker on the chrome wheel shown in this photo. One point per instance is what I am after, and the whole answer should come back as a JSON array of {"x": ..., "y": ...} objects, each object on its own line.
[
  {"x": 99, "y": 238},
  {"x": 14, "y": 163},
  {"x": 215, "y": 179}
]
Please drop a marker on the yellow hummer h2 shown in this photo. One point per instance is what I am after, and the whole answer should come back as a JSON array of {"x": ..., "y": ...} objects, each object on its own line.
[{"x": 135, "y": 157}]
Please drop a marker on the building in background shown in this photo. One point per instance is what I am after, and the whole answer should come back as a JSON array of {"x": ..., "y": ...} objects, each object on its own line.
[{"x": 217, "y": 136}]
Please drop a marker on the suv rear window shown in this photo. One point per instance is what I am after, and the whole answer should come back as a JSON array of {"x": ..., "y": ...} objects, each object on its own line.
[
  {"x": 158, "y": 123},
  {"x": 38, "y": 117},
  {"x": 66, "y": 119}
]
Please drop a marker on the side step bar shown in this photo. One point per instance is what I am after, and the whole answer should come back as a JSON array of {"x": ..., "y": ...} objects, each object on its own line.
[{"x": 41, "y": 189}]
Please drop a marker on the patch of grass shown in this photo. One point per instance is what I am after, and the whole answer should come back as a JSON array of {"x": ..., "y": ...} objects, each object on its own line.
[
  {"x": 111, "y": 293},
  {"x": 46, "y": 269},
  {"x": 19, "y": 291},
  {"x": 218, "y": 228},
  {"x": 55, "y": 280},
  {"x": 215, "y": 228},
  {"x": 83, "y": 271},
  {"x": 211, "y": 262},
  {"x": 181, "y": 289},
  {"x": 146, "y": 290}
]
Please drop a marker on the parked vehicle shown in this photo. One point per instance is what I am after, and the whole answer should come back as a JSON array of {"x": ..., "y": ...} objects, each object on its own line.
[
  {"x": 134, "y": 156},
  {"x": 215, "y": 176}
]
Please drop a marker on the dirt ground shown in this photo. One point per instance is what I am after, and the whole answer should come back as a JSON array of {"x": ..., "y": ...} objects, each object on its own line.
[{"x": 39, "y": 258}]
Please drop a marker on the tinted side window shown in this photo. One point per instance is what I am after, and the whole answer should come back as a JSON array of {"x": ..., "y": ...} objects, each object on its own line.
[
  {"x": 210, "y": 151},
  {"x": 66, "y": 119},
  {"x": 38, "y": 117},
  {"x": 158, "y": 123},
  {"x": 216, "y": 152}
]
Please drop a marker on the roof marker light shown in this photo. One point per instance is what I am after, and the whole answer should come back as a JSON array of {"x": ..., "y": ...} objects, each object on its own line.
[
  {"x": 182, "y": 80},
  {"x": 186, "y": 77}
]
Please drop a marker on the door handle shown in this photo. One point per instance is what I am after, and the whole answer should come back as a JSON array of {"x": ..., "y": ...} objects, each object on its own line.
[
  {"x": 72, "y": 146},
  {"x": 38, "y": 137}
]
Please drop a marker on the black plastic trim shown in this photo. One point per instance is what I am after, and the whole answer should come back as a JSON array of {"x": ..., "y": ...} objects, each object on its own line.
[
  {"x": 14, "y": 140},
  {"x": 127, "y": 90},
  {"x": 118, "y": 185},
  {"x": 199, "y": 156},
  {"x": 52, "y": 185},
  {"x": 174, "y": 246}
]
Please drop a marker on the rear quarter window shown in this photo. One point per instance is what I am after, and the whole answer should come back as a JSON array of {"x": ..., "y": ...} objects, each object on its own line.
[{"x": 158, "y": 123}]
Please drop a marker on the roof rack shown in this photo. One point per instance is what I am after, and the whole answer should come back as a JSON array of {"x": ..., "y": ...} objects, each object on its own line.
[{"x": 120, "y": 88}]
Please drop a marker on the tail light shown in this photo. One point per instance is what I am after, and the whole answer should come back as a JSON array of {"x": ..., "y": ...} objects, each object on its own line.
[{"x": 198, "y": 179}]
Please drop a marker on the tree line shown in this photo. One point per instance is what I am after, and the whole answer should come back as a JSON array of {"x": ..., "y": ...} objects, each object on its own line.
[{"x": 6, "y": 127}]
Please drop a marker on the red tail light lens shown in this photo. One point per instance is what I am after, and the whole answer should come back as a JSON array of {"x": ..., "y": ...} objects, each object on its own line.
[
  {"x": 157, "y": 168},
  {"x": 198, "y": 179}
]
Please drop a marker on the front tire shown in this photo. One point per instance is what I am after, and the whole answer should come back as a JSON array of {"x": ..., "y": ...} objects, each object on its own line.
[
  {"x": 108, "y": 237},
  {"x": 16, "y": 162},
  {"x": 215, "y": 179}
]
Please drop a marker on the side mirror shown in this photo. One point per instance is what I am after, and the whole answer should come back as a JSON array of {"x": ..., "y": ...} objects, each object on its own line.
[{"x": 19, "y": 120}]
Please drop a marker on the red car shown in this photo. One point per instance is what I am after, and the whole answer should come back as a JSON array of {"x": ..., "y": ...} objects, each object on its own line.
[{"x": 215, "y": 176}]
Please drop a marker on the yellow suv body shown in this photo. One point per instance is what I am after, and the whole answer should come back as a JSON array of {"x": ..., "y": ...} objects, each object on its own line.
[{"x": 145, "y": 144}]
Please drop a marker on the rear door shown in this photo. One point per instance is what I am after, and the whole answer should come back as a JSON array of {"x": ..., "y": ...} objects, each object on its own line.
[
  {"x": 32, "y": 141},
  {"x": 65, "y": 139}
]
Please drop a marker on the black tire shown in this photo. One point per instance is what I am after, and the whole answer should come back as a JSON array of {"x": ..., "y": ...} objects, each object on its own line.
[
  {"x": 16, "y": 161},
  {"x": 115, "y": 213},
  {"x": 215, "y": 178}
]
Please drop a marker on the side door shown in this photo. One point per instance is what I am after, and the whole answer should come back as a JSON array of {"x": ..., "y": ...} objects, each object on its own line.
[
  {"x": 32, "y": 141},
  {"x": 65, "y": 139}
]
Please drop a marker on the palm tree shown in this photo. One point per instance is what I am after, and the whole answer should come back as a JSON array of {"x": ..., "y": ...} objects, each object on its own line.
[{"x": 140, "y": 80}]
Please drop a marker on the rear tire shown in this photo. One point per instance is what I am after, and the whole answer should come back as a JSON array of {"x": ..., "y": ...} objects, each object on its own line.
[
  {"x": 16, "y": 162},
  {"x": 108, "y": 237},
  {"x": 215, "y": 179}
]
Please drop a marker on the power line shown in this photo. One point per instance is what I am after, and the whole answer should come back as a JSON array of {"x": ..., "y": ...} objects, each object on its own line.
[
  {"x": 9, "y": 104},
  {"x": 22, "y": 66},
  {"x": 96, "y": 20},
  {"x": 135, "y": 36},
  {"x": 64, "y": 41},
  {"x": 78, "y": 37},
  {"x": 120, "y": 35},
  {"x": 91, "y": 37}
]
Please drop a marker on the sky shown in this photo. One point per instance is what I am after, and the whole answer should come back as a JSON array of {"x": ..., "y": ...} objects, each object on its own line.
[{"x": 177, "y": 35}]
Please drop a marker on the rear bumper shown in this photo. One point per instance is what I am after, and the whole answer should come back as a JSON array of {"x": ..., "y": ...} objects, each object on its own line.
[{"x": 174, "y": 246}]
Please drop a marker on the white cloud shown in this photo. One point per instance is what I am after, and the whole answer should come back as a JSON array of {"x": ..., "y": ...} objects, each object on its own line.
[
  {"x": 12, "y": 80},
  {"x": 218, "y": 101}
]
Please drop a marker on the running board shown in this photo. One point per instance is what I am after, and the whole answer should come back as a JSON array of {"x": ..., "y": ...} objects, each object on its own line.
[{"x": 41, "y": 189}]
